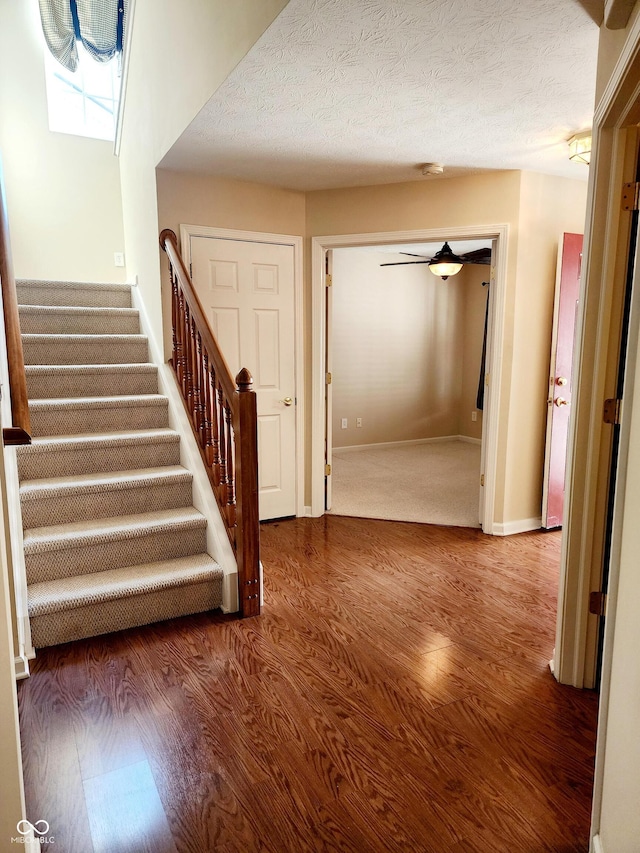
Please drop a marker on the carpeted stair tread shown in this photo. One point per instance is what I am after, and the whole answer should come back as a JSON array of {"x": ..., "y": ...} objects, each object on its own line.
[
  {"x": 84, "y": 453},
  {"x": 61, "y": 415},
  {"x": 84, "y": 349},
  {"x": 40, "y": 540},
  {"x": 102, "y": 481},
  {"x": 71, "y": 319},
  {"x": 90, "y": 380},
  {"x": 54, "y": 370},
  {"x": 91, "y": 441},
  {"x": 78, "y": 591},
  {"x": 60, "y": 500},
  {"x": 74, "y": 293},
  {"x": 126, "y": 401}
]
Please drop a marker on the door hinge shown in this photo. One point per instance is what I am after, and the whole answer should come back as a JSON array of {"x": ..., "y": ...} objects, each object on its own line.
[
  {"x": 612, "y": 411},
  {"x": 482, "y": 479},
  {"x": 190, "y": 270},
  {"x": 327, "y": 379},
  {"x": 631, "y": 196},
  {"x": 327, "y": 470},
  {"x": 598, "y": 603},
  {"x": 328, "y": 280}
]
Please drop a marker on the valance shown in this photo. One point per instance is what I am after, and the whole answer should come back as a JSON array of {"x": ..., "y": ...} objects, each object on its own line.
[{"x": 97, "y": 24}]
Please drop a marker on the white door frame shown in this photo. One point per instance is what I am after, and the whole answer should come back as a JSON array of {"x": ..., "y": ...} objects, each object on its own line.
[
  {"x": 319, "y": 245},
  {"x": 189, "y": 231}
]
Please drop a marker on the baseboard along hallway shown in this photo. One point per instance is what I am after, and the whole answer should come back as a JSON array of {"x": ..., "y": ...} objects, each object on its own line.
[{"x": 394, "y": 695}]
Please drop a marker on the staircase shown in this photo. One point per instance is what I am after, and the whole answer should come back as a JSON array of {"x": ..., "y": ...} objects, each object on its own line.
[{"x": 111, "y": 538}]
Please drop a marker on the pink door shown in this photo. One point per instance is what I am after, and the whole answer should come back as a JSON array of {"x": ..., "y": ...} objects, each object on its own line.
[{"x": 560, "y": 390}]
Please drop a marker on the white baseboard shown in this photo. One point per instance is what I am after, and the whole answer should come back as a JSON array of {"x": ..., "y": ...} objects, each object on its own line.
[
  {"x": 596, "y": 845},
  {"x": 469, "y": 439},
  {"x": 307, "y": 512},
  {"x": 21, "y": 666},
  {"x": 408, "y": 442},
  {"x": 521, "y": 525}
]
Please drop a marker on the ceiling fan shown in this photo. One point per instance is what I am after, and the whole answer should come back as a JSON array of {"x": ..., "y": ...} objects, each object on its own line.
[{"x": 445, "y": 263}]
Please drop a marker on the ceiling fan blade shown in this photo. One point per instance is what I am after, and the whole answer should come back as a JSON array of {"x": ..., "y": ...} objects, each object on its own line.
[
  {"x": 404, "y": 263},
  {"x": 478, "y": 256}
]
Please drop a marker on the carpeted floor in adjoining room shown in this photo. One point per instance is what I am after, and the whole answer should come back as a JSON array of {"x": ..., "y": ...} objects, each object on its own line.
[{"x": 435, "y": 483}]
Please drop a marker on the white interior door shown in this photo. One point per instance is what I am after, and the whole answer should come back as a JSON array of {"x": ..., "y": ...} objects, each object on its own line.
[{"x": 247, "y": 291}]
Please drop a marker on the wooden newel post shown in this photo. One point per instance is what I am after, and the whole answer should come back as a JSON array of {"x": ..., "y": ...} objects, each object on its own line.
[{"x": 248, "y": 554}]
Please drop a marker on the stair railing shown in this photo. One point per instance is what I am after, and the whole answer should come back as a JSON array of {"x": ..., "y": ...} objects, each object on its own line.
[
  {"x": 20, "y": 430},
  {"x": 223, "y": 417}
]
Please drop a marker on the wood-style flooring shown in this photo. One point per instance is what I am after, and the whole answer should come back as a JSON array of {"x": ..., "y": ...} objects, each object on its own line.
[{"x": 394, "y": 696}]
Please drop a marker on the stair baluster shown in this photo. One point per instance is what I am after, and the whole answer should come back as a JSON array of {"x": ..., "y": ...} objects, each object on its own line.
[{"x": 223, "y": 416}]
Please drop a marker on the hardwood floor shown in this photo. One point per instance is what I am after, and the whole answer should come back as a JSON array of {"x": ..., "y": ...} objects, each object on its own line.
[{"x": 394, "y": 696}]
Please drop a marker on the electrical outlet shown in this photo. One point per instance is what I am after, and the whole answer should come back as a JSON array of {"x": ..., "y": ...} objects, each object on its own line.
[
  {"x": 358, "y": 422},
  {"x": 474, "y": 415},
  {"x": 118, "y": 259},
  {"x": 345, "y": 423}
]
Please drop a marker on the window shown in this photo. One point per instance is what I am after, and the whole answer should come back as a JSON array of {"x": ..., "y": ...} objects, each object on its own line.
[{"x": 84, "y": 102}]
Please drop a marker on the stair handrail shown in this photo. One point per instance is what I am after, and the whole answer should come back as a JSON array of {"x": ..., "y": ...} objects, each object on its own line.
[
  {"x": 223, "y": 415},
  {"x": 20, "y": 430}
]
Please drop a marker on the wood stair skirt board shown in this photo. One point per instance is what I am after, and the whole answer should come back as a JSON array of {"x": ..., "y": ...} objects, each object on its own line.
[{"x": 111, "y": 538}]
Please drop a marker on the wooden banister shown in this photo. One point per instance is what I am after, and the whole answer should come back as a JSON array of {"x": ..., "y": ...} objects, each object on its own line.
[
  {"x": 223, "y": 416},
  {"x": 20, "y": 430}
]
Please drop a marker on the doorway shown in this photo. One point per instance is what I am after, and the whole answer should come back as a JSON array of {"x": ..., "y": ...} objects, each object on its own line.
[
  {"x": 497, "y": 235},
  {"x": 405, "y": 403}
]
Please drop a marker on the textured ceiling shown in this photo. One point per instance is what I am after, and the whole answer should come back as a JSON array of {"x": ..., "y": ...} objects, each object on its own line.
[{"x": 355, "y": 92}]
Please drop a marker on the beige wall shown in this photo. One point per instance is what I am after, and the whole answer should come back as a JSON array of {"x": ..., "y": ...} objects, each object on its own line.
[
  {"x": 548, "y": 207},
  {"x": 406, "y": 349},
  {"x": 180, "y": 54},
  {"x": 63, "y": 191}
]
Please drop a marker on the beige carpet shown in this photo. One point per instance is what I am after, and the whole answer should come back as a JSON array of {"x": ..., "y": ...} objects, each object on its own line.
[{"x": 436, "y": 483}]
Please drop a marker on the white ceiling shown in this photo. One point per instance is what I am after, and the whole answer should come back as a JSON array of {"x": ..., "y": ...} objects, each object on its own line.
[{"x": 356, "y": 92}]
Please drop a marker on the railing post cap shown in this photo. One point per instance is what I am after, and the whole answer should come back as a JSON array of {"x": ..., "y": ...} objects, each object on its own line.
[
  {"x": 244, "y": 380},
  {"x": 167, "y": 234}
]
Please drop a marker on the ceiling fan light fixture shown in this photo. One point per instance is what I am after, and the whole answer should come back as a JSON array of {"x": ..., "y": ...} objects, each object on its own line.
[
  {"x": 445, "y": 263},
  {"x": 580, "y": 147}
]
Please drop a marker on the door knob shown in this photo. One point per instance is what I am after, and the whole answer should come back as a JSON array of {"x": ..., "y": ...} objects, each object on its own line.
[
  {"x": 560, "y": 401},
  {"x": 561, "y": 380},
  {"x": 287, "y": 401}
]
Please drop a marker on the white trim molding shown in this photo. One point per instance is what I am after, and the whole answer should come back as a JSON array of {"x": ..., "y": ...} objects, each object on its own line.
[
  {"x": 189, "y": 231},
  {"x": 124, "y": 76},
  {"x": 495, "y": 347},
  {"x": 520, "y": 525},
  {"x": 596, "y": 845}
]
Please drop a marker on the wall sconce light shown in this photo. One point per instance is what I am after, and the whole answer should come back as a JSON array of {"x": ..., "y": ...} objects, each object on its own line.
[
  {"x": 444, "y": 263},
  {"x": 580, "y": 147}
]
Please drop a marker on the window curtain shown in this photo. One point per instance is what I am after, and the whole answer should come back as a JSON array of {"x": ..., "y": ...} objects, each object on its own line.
[
  {"x": 483, "y": 359},
  {"x": 97, "y": 24}
]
